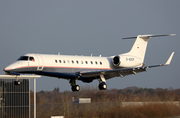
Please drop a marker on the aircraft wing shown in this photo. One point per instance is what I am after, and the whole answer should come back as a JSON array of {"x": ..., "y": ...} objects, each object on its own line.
[{"x": 121, "y": 72}]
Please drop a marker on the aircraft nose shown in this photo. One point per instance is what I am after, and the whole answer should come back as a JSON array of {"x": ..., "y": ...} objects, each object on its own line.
[
  {"x": 10, "y": 67},
  {"x": 7, "y": 69}
]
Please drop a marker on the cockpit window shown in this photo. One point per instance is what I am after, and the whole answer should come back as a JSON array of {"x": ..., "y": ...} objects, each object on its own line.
[
  {"x": 24, "y": 58},
  {"x": 31, "y": 58}
]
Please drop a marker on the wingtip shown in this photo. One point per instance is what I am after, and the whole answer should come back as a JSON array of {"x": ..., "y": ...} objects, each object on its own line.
[
  {"x": 170, "y": 58},
  {"x": 172, "y": 34}
]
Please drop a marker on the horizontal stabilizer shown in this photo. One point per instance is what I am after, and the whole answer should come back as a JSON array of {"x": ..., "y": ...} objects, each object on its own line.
[{"x": 149, "y": 36}]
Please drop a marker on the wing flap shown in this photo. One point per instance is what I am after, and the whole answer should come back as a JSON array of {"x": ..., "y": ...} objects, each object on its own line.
[{"x": 114, "y": 72}]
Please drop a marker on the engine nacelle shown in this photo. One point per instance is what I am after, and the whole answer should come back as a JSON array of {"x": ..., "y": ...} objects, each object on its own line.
[
  {"x": 126, "y": 61},
  {"x": 116, "y": 61}
]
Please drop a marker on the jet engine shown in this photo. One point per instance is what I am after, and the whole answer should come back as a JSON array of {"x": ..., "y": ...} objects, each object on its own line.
[
  {"x": 126, "y": 61},
  {"x": 116, "y": 60}
]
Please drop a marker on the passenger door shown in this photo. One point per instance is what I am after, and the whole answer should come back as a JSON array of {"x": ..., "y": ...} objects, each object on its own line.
[{"x": 40, "y": 62}]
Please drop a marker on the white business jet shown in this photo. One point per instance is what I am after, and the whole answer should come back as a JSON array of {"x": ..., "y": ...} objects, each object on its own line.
[{"x": 86, "y": 68}]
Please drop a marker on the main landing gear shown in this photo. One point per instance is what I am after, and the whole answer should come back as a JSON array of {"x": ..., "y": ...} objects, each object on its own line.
[
  {"x": 74, "y": 87},
  {"x": 102, "y": 84}
]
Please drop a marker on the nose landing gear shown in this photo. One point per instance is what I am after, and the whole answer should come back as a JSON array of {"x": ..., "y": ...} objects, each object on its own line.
[{"x": 17, "y": 82}]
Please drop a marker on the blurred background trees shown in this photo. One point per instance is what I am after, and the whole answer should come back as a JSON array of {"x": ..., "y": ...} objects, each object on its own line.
[{"x": 107, "y": 102}]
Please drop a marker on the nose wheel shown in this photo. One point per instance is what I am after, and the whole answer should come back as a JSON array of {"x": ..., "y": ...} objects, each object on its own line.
[{"x": 17, "y": 82}]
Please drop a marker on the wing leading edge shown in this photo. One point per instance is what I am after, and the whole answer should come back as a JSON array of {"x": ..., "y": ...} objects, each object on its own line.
[{"x": 121, "y": 72}]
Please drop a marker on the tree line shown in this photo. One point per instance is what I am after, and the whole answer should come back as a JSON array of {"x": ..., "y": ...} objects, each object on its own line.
[
  {"x": 106, "y": 104},
  {"x": 112, "y": 95}
]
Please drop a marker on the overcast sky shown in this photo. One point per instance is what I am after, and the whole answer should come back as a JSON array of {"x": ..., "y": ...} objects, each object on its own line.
[{"x": 85, "y": 27}]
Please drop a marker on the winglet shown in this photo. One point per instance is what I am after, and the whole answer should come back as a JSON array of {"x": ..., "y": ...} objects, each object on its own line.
[{"x": 169, "y": 60}]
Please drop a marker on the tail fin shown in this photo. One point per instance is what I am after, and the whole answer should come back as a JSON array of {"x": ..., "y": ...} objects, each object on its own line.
[{"x": 139, "y": 47}]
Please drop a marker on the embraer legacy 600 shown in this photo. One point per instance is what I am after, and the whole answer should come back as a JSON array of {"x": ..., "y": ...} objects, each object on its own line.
[{"x": 86, "y": 68}]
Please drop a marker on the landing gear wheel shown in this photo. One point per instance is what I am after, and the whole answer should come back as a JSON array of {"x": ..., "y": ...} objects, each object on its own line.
[
  {"x": 75, "y": 88},
  {"x": 17, "y": 82},
  {"x": 102, "y": 86}
]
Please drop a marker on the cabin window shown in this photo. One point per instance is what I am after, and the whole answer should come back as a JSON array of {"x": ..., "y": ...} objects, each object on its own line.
[
  {"x": 77, "y": 62},
  {"x": 64, "y": 61},
  {"x": 56, "y": 61},
  {"x": 81, "y": 62},
  {"x": 72, "y": 61},
  {"x": 91, "y": 62},
  {"x": 100, "y": 63},
  {"x": 86, "y": 62},
  {"x": 59, "y": 61},
  {"x": 68, "y": 61},
  {"x": 96, "y": 62}
]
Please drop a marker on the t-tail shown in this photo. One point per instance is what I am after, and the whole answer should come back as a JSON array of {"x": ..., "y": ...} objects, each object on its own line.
[
  {"x": 135, "y": 57},
  {"x": 139, "y": 48}
]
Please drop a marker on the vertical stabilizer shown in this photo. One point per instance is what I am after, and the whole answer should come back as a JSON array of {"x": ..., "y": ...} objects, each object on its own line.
[{"x": 140, "y": 45}]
